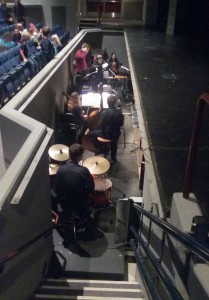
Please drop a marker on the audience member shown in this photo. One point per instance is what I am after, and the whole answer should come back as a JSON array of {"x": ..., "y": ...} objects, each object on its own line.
[
  {"x": 34, "y": 38},
  {"x": 74, "y": 184},
  {"x": 110, "y": 123},
  {"x": 4, "y": 15},
  {"x": 16, "y": 36},
  {"x": 18, "y": 10},
  {"x": 3, "y": 10},
  {"x": 56, "y": 43},
  {"x": 47, "y": 46},
  {"x": 33, "y": 27},
  {"x": 6, "y": 41},
  {"x": 21, "y": 28},
  {"x": 24, "y": 53}
]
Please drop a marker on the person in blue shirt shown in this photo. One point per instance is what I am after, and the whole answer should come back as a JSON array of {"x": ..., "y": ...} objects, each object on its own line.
[{"x": 6, "y": 41}]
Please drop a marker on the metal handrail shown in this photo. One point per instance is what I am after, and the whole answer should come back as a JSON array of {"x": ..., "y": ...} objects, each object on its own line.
[
  {"x": 151, "y": 289},
  {"x": 172, "y": 290},
  {"x": 187, "y": 240}
]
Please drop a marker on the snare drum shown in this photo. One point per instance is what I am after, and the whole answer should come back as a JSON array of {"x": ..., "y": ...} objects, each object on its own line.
[{"x": 102, "y": 192}]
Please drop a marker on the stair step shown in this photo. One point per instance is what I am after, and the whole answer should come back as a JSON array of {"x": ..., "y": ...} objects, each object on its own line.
[
  {"x": 88, "y": 289},
  {"x": 40, "y": 296},
  {"x": 91, "y": 283}
]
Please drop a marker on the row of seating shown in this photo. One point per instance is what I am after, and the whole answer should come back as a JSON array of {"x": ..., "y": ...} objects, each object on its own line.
[
  {"x": 3, "y": 21},
  {"x": 14, "y": 73},
  {"x": 5, "y": 28}
]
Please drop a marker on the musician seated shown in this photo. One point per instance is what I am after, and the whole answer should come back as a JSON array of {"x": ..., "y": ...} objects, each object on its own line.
[
  {"x": 113, "y": 64},
  {"x": 74, "y": 184},
  {"x": 110, "y": 123},
  {"x": 97, "y": 69},
  {"x": 73, "y": 106}
]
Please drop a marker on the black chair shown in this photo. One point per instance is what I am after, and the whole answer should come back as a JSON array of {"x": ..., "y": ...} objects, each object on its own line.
[{"x": 68, "y": 125}]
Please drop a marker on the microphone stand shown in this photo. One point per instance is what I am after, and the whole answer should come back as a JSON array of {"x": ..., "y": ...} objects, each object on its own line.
[
  {"x": 88, "y": 75},
  {"x": 114, "y": 75}
]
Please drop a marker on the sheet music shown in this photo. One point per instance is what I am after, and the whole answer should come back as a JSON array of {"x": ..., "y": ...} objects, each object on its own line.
[
  {"x": 91, "y": 99},
  {"x": 94, "y": 99},
  {"x": 104, "y": 97}
]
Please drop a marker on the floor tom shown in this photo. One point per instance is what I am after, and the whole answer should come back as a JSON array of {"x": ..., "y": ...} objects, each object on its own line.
[{"x": 102, "y": 192}]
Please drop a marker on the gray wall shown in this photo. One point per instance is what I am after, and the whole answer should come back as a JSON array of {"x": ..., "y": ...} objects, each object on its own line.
[{"x": 26, "y": 124}]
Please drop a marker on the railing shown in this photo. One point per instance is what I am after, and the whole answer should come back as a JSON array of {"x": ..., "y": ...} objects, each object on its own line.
[
  {"x": 190, "y": 243},
  {"x": 202, "y": 101},
  {"x": 22, "y": 248}
]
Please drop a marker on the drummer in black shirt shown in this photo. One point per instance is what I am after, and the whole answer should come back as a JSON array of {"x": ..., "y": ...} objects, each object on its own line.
[{"x": 74, "y": 184}]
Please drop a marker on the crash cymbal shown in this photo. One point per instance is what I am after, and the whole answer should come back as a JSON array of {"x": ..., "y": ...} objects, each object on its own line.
[
  {"x": 97, "y": 165},
  {"x": 59, "y": 152},
  {"x": 53, "y": 169}
]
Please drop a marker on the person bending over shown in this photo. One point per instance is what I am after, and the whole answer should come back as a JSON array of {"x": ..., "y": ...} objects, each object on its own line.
[
  {"x": 74, "y": 184},
  {"x": 110, "y": 123}
]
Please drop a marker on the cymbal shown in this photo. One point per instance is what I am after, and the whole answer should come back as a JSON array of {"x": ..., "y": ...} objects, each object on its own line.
[
  {"x": 59, "y": 152},
  {"x": 53, "y": 169},
  {"x": 97, "y": 165}
]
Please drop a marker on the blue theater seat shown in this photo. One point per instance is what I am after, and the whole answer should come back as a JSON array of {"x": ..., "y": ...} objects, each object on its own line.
[
  {"x": 8, "y": 86},
  {"x": 3, "y": 94},
  {"x": 12, "y": 73}
]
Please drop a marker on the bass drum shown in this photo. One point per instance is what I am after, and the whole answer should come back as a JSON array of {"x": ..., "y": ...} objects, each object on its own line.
[{"x": 102, "y": 192}]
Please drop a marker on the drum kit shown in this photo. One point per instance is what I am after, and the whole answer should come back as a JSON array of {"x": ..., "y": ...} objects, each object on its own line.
[
  {"x": 58, "y": 154},
  {"x": 98, "y": 167}
]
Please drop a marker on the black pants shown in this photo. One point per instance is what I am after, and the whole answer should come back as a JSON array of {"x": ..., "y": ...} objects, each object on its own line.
[{"x": 98, "y": 145}]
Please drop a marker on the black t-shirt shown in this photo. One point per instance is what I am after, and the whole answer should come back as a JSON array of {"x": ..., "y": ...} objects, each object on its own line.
[
  {"x": 73, "y": 185},
  {"x": 110, "y": 122},
  {"x": 24, "y": 49}
]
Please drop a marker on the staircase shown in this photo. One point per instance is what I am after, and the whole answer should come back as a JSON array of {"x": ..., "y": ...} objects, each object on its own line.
[
  {"x": 93, "y": 266},
  {"x": 88, "y": 23},
  {"x": 88, "y": 289}
]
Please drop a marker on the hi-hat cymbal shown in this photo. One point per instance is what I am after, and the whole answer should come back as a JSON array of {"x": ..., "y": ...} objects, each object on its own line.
[
  {"x": 97, "y": 165},
  {"x": 59, "y": 152},
  {"x": 53, "y": 169}
]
